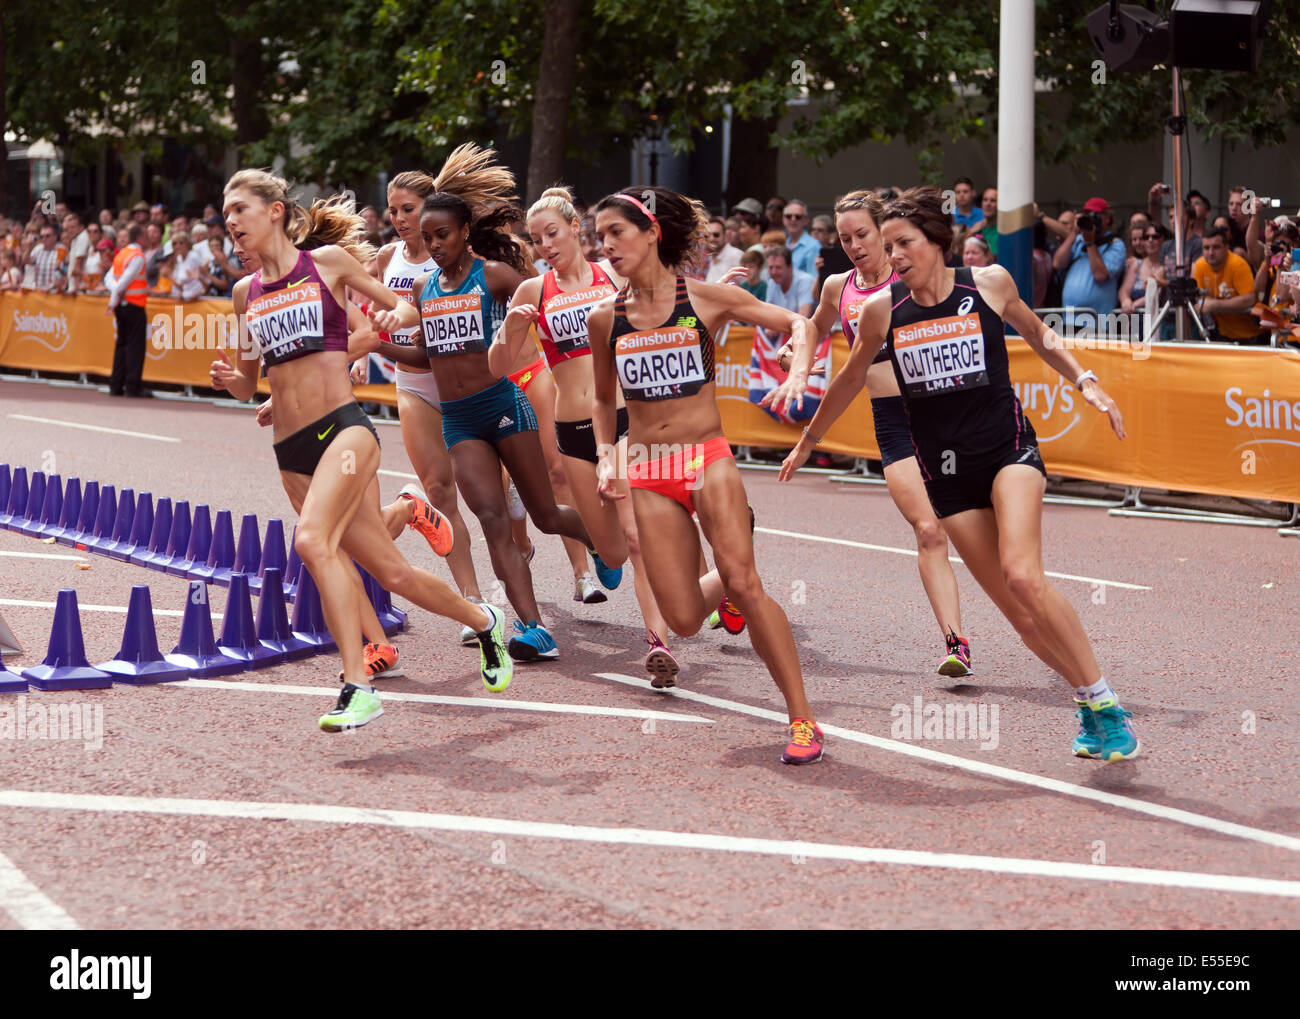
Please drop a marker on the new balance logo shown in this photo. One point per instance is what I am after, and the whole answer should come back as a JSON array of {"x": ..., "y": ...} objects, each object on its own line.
[{"x": 505, "y": 422}]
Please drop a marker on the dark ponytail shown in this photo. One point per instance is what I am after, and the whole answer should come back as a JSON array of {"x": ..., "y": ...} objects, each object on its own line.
[{"x": 489, "y": 235}]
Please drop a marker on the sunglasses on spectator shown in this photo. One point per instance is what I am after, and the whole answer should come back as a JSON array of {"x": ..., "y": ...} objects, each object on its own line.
[
  {"x": 796, "y": 215},
  {"x": 1151, "y": 237}
]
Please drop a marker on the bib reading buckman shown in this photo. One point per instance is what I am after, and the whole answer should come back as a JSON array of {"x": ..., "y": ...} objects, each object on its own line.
[
  {"x": 295, "y": 315},
  {"x": 670, "y": 361}
]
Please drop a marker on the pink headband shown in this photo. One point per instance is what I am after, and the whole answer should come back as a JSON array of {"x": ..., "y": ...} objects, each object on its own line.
[{"x": 649, "y": 215}]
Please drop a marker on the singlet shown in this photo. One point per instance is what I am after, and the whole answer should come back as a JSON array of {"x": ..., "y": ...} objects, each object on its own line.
[
  {"x": 295, "y": 315},
  {"x": 562, "y": 315},
  {"x": 852, "y": 298},
  {"x": 950, "y": 360},
  {"x": 673, "y": 360},
  {"x": 461, "y": 321},
  {"x": 399, "y": 277}
]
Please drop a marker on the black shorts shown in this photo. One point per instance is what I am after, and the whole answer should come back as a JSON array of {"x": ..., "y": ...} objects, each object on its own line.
[
  {"x": 893, "y": 433},
  {"x": 578, "y": 438},
  {"x": 302, "y": 451},
  {"x": 956, "y": 493}
]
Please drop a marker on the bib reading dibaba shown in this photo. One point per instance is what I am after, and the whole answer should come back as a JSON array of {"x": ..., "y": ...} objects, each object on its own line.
[{"x": 453, "y": 324}]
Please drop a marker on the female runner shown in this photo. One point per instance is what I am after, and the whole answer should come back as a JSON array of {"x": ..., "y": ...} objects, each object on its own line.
[
  {"x": 976, "y": 451},
  {"x": 559, "y": 304},
  {"x": 655, "y": 339},
  {"x": 843, "y": 296},
  {"x": 486, "y": 421},
  {"x": 326, "y": 448}
]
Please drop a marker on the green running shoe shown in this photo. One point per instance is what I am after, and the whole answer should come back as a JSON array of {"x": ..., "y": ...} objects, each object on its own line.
[
  {"x": 355, "y": 708},
  {"x": 496, "y": 665},
  {"x": 715, "y": 620},
  {"x": 1118, "y": 741},
  {"x": 1088, "y": 742}
]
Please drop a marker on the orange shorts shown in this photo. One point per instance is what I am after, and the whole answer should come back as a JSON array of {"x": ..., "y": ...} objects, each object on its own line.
[
  {"x": 677, "y": 474},
  {"x": 524, "y": 377}
]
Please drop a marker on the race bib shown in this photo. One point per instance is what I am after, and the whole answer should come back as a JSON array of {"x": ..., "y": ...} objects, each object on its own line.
[
  {"x": 660, "y": 364},
  {"x": 566, "y": 317},
  {"x": 287, "y": 323},
  {"x": 942, "y": 355},
  {"x": 453, "y": 324}
]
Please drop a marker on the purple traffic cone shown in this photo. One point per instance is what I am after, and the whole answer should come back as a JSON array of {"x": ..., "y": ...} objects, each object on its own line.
[
  {"x": 197, "y": 652},
  {"x": 196, "y": 549},
  {"x": 294, "y": 568},
  {"x": 65, "y": 666},
  {"x": 123, "y": 515},
  {"x": 391, "y": 619},
  {"x": 17, "y": 501},
  {"x": 51, "y": 508},
  {"x": 139, "y": 661},
  {"x": 70, "y": 512},
  {"x": 6, "y": 483},
  {"x": 85, "y": 523},
  {"x": 308, "y": 621},
  {"x": 102, "y": 533},
  {"x": 30, "y": 520},
  {"x": 177, "y": 538},
  {"x": 239, "y": 635},
  {"x": 141, "y": 527},
  {"x": 221, "y": 555},
  {"x": 11, "y": 682},
  {"x": 148, "y": 553},
  {"x": 248, "y": 552},
  {"x": 273, "y": 620},
  {"x": 272, "y": 553}
]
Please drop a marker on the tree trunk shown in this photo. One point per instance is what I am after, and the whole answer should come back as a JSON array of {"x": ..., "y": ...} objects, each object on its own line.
[
  {"x": 752, "y": 170},
  {"x": 247, "y": 74},
  {"x": 551, "y": 101}
]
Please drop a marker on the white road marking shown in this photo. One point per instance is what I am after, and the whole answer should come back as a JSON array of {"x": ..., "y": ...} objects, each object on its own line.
[
  {"x": 27, "y": 904},
  {"x": 426, "y": 698},
  {"x": 95, "y": 428},
  {"x": 992, "y": 770},
  {"x": 42, "y": 555},
  {"x": 329, "y": 814},
  {"x": 119, "y": 609},
  {"x": 952, "y": 558}
]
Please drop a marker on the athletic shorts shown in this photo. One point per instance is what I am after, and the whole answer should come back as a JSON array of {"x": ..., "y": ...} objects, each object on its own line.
[
  {"x": 578, "y": 439},
  {"x": 677, "y": 474},
  {"x": 893, "y": 433},
  {"x": 421, "y": 384},
  {"x": 491, "y": 415},
  {"x": 302, "y": 451},
  {"x": 525, "y": 377},
  {"x": 955, "y": 493}
]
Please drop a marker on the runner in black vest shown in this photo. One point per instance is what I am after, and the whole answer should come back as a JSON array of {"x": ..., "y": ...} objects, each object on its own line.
[{"x": 977, "y": 453}]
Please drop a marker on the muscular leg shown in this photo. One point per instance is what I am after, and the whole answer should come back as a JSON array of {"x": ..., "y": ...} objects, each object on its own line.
[
  {"x": 522, "y": 455},
  {"x": 603, "y": 520},
  {"x": 908, "y": 491},
  {"x": 541, "y": 394}
]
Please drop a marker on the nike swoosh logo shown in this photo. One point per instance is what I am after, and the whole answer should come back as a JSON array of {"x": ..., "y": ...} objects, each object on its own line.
[
  {"x": 305, "y": 279},
  {"x": 321, "y": 436}
]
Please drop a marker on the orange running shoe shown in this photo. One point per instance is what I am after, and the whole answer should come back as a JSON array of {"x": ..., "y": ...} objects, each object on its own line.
[
  {"x": 805, "y": 745},
  {"x": 381, "y": 662},
  {"x": 733, "y": 620},
  {"x": 431, "y": 524}
]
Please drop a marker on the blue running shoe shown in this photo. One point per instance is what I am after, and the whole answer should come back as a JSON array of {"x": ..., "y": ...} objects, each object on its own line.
[
  {"x": 532, "y": 643},
  {"x": 609, "y": 579},
  {"x": 1088, "y": 742},
  {"x": 1118, "y": 741}
]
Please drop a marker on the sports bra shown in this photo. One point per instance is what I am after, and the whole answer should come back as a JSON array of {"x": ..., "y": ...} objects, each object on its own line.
[
  {"x": 562, "y": 315},
  {"x": 399, "y": 277},
  {"x": 672, "y": 360},
  {"x": 295, "y": 315},
  {"x": 852, "y": 298},
  {"x": 461, "y": 321}
]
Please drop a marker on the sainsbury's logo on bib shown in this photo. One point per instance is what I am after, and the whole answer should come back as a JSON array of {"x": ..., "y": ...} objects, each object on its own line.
[
  {"x": 941, "y": 355},
  {"x": 287, "y": 322},
  {"x": 660, "y": 364},
  {"x": 453, "y": 324},
  {"x": 566, "y": 316}
]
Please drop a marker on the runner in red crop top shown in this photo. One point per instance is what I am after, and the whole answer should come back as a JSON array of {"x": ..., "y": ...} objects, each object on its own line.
[
  {"x": 327, "y": 449},
  {"x": 655, "y": 340}
]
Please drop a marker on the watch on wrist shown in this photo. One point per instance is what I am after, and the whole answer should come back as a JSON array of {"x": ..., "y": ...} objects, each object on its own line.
[
  {"x": 810, "y": 438},
  {"x": 1085, "y": 377}
]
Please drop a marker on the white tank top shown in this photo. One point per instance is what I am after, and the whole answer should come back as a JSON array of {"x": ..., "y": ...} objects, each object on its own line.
[{"x": 399, "y": 277}]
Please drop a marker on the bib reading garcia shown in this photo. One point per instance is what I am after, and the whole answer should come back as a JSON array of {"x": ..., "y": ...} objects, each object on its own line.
[
  {"x": 660, "y": 364},
  {"x": 941, "y": 355}
]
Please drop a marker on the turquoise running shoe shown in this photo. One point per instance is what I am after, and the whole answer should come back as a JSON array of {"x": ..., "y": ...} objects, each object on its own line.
[
  {"x": 495, "y": 664},
  {"x": 609, "y": 578},
  {"x": 1088, "y": 743},
  {"x": 532, "y": 643},
  {"x": 356, "y": 707},
  {"x": 1118, "y": 741}
]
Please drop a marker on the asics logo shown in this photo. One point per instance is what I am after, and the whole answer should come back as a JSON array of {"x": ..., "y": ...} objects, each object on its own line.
[{"x": 966, "y": 304}]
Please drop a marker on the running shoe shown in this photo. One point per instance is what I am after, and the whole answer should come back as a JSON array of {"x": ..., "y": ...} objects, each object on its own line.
[
  {"x": 660, "y": 663},
  {"x": 514, "y": 505},
  {"x": 958, "y": 661},
  {"x": 431, "y": 524},
  {"x": 355, "y": 708},
  {"x": 1118, "y": 741},
  {"x": 532, "y": 643},
  {"x": 586, "y": 591},
  {"x": 1088, "y": 743},
  {"x": 381, "y": 662},
  {"x": 609, "y": 577},
  {"x": 733, "y": 620},
  {"x": 494, "y": 662},
  {"x": 805, "y": 745},
  {"x": 715, "y": 620}
]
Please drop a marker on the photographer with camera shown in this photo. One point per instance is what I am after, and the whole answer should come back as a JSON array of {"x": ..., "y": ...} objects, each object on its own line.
[{"x": 1093, "y": 260}]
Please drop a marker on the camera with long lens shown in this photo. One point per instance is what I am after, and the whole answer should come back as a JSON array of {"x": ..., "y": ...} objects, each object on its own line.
[
  {"x": 1183, "y": 290},
  {"x": 1086, "y": 221}
]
